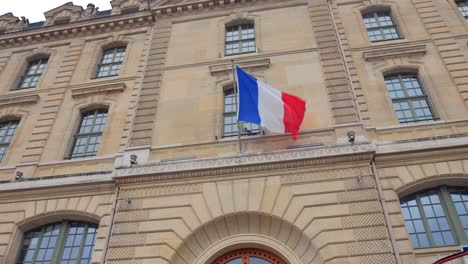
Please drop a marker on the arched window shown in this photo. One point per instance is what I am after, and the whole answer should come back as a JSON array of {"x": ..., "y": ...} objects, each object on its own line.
[
  {"x": 410, "y": 101},
  {"x": 32, "y": 73},
  {"x": 249, "y": 256},
  {"x": 380, "y": 25},
  {"x": 7, "y": 131},
  {"x": 62, "y": 242},
  {"x": 111, "y": 62},
  {"x": 437, "y": 217},
  {"x": 463, "y": 7},
  {"x": 230, "y": 119},
  {"x": 88, "y": 136},
  {"x": 240, "y": 38}
]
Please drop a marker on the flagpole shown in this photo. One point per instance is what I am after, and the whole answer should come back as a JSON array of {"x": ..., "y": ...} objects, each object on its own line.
[{"x": 234, "y": 79}]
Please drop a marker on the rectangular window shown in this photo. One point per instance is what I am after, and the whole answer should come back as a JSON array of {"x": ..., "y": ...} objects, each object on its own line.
[
  {"x": 32, "y": 74},
  {"x": 240, "y": 39},
  {"x": 463, "y": 7},
  {"x": 380, "y": 26},
  {"x": 87, "y": 139},
  {"x": 410, "y": 102},
  {"x": 111, "y": 62},
  {"x": 7, "y": 131},
  {"x": 230, "y": 118}
]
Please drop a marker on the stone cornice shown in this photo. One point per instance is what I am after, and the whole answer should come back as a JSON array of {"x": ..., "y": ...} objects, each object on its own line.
[
  {"x": 246, "y": 164},
  {"x": 19, "y": 98},
  {"x": 395, "y": 52},
  {"x": 98, "y": 87},
  {"x": 246, "y": 64},
  {"x": 86, "y": 27}
]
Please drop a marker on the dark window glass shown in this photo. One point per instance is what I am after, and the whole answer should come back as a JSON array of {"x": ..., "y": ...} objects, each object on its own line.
[
  {"x": 230, "y": 118},
  {"x": 64, "y": 242},
  {"x": 463, "y": 7},
  {"x": 380, "y": 26},
  {"x": 111, "y": 62},
  {"x": 87, "y": 139},
  {"x": 410, "y": 102},
  {"x": 32, "y": 74},
  {"x": 436, "y": 218},
  {"x": 240, "y": 39},
  {"x": 7, "y": 131}
]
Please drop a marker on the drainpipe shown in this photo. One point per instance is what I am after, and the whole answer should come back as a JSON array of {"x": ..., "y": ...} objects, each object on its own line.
[
  {"x": 110, "y": 224},
  {"x": 372, "y": 164},
  {"x": 386, "y": 214}
]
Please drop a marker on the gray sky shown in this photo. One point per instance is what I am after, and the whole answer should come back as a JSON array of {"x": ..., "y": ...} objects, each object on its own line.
[{"x": 34, "y": 9}]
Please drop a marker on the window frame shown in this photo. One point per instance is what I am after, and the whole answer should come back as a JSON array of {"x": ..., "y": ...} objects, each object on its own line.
[
  {"x": 239, "y": 25},
  {"x": 26, "y": 69},
  {"x": 465, "y": 17},
  {"x": 8, "y": 122},
  {"x": 243, "y": 125},
  {"x": 60, "y": 243},
  {"x": 100, "y": 63},
  {"x": 408, "y": 98},
  {"x": 246, "y": 253},
  {"x": 380, "y": 28},
  {"x": 448, "y": 206},
  {"x": 77, "y": 135}
]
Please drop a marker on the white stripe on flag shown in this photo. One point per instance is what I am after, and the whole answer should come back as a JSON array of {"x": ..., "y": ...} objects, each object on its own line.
[{"x": 270, "y": 107}]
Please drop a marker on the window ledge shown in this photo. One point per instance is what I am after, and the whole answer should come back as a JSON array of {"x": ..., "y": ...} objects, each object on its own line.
[
  {"x": 97, "y": 87},
  {"x": 19, "y": 98},
  {"x": 244, "y": 64},
  {"x": 437, "y": 250},
  {"x": 394, "y": 52}
]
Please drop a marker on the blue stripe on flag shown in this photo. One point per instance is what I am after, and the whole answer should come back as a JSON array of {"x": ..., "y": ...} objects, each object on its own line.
[{"x": 248, "y": 97}]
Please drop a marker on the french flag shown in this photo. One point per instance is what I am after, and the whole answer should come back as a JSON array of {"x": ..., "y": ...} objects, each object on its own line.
[{"x": 261, "y": 104}]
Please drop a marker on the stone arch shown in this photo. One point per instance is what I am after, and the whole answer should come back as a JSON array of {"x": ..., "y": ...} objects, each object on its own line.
[
  {"x": 246, "y": 230},
  {"x": 432, "y": 181}
]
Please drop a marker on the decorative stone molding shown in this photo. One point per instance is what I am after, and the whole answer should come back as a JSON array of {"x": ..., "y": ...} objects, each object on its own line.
[
  {"x": 180, "y": 6},
  {"x": 11, "y": 23},
  {"x": 250, "y": 64},
  {"x": 128, "y": 6},
  {"x": 93, "y": 88},
  {"x": 63, "y": 14},
  {"x": 395, "y": 52},
  {"x": 248, "y": 163},
  {"x": 15, "y": 99},
  {"x": 87, "y": 27}
]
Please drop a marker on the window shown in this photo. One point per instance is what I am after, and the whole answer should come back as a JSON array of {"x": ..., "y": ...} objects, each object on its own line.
[
  {"x": 410, "y": 102},
  {"x": 249, "y": 256},
  {"x": 32, "y": 74},
  {"x": 380, "y": 26},
  {"x": 463, "y": 7},
  {"x": 7, "y": 130},
  {"x": 230, "y": 118},
  {"x": 87, "y": 139},
  {"x": 240, "y": 39},
  {"x": 111, "y": 62},
  {"x": 437, "y": 217},
  {"x": 64, "y": 242}
]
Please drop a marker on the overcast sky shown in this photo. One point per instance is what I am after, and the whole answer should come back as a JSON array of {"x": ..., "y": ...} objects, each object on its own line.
[{"x": 34, "y": 9}]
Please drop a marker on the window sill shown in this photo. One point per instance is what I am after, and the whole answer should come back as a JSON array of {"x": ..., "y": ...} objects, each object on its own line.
[{"x": 437, "y": 250}]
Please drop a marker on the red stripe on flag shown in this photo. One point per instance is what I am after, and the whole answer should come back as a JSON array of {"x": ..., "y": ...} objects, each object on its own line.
[{"x": 294, "y": 109}]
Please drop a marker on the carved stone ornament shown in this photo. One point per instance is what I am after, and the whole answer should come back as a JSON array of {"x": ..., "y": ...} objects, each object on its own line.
[
  {"x": 128, "y": 6},
  {"x": 11, "y": 23},
  {"x": 63, "y": 14},
  {"x": 90, "y": 12},
  {"x": 247, "y": 163}
]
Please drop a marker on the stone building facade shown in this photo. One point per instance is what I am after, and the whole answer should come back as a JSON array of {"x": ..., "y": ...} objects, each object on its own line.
[{"x": 117, "y": 135}]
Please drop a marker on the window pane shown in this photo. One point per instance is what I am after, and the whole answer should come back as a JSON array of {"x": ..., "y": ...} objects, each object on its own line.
[
  {"x": 240, "y": 39},
  {"x": 32, "y": 74},
  {"x": 460, "y": 200},
  {"x": 380, "y": 26},
  {"x": 111, "y": 62},
  {"x": 89, "y": 134},
  {"x": 7, "y": 131},
  {"x": 463, "y": 7}
]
